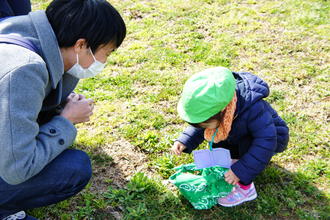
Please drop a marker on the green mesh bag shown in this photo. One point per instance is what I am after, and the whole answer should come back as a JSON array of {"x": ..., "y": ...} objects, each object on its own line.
[{"x": 202, "y": 187}]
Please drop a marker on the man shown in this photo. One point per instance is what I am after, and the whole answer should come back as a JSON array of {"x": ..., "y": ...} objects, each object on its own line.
[{"x": 37, "y": 107}]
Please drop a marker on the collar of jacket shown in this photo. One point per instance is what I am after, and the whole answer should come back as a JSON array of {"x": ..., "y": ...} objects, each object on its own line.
[{"x": 50, "y": 50}]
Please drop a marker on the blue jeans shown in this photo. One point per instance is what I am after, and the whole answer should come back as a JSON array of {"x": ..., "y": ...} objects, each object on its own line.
[
  {"x": 14, "y": 7},
  {"x": 62, "y": 178}
]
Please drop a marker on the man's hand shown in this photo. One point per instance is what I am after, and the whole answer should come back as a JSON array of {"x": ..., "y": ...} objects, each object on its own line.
[
  {"x": 177, "y": 148},
  {"x": 73, "y": 95},
  {"x": 231, "y": 178},
  {"x": 78, "y": 109}
]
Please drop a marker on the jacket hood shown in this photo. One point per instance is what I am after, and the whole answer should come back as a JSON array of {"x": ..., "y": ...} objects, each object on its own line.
[
  {"x": 36, "y": 28},
  {"x": 249, "y": 89}
]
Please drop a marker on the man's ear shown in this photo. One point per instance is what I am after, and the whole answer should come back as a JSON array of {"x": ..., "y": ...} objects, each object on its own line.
[{"x": 80, "y": 44}]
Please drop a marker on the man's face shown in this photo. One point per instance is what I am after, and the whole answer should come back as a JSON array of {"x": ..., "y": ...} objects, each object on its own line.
[{"x": 101, "y": 54}]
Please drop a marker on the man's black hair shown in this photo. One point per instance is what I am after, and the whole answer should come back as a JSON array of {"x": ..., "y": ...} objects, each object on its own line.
[{"x": 94, "y": 20}]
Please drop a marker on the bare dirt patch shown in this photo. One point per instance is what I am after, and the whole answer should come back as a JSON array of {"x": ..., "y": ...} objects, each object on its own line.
[{"x": 127, "y": 161}]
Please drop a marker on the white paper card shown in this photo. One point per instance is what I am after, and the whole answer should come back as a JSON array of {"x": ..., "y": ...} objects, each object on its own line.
[{"x": 216, "y": 157}]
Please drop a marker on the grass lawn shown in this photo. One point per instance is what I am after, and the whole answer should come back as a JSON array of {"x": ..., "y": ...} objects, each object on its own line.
[{"x": 286, "y": 42}]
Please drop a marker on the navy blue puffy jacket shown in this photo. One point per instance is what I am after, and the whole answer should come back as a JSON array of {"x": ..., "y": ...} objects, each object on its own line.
[{"x": 257, "y": 131}]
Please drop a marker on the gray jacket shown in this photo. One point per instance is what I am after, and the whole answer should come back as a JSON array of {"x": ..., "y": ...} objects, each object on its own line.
[{"x": 30, "y": 84}]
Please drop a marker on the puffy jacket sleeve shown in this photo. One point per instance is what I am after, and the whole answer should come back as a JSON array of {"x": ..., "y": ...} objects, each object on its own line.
[
  {"x": 25, "y": 147},
  {"x": 191, "y": 137},
  {"x": 263, "y": 132}
]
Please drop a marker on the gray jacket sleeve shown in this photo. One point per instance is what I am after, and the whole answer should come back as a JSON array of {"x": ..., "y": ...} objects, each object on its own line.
[{"x": 25, "y": 147}]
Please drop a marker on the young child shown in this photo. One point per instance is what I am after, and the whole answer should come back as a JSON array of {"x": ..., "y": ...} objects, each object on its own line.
[{"x": 231, "y": 104}]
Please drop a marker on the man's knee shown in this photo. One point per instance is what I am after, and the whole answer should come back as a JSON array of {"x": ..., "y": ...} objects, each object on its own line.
[
  {"x": 81, "y": 165},
  {"x": 64, "y": 177},
  {"x": 76, "y": 168}
]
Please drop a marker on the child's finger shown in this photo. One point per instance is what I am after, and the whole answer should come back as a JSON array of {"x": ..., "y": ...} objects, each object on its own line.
[
  {"x": 175, "y": 151},
  {"x": 230, "y": 180}
]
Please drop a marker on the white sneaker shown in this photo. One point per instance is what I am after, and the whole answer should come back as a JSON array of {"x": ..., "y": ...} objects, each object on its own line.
[{"x": 17, "y": 216}]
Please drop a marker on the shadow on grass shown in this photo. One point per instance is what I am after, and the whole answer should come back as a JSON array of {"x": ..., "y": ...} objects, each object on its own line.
[
  {"x": 90, "y": 203},
  {"x": 281, "y": 195}
]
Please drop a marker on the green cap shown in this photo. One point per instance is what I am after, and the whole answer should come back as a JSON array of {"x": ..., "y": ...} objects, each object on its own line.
[{"x": 205, "y": 94}]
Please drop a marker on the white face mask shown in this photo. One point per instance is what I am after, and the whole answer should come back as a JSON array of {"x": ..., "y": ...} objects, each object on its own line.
[{"x": 79, "y": 72}]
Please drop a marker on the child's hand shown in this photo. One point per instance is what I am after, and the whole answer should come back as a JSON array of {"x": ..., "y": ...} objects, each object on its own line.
[
  {"x": 231, "y": 178},
  {"x": 177, "y": 148}
]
